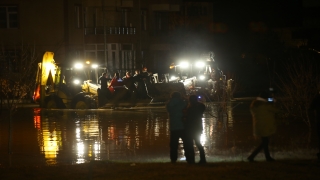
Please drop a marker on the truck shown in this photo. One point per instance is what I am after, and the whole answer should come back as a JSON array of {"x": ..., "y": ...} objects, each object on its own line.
[
  {"x": 203, "y": 77},
  {"x": 59, "y": 86}
]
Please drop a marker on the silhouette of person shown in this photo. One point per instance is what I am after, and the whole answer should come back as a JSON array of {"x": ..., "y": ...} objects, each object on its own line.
[
  {"x": 103, "y": 81},
  {"x": 264, "y": 123},
  {"x": 128, "y": 81},
  {"x": 175, "y": 107},
  {"x": 194, "y": 127}
]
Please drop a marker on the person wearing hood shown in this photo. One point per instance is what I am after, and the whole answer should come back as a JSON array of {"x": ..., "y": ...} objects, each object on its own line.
[
  {"x": 175, "y": 107},
  {"x": 264, "y": 123}
]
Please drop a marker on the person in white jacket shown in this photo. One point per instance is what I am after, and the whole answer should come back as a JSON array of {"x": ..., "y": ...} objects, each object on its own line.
[{"x": 264, "y": 123}]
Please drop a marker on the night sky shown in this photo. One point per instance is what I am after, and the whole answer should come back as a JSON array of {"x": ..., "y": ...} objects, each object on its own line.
[{"x": 249, "y": 38}]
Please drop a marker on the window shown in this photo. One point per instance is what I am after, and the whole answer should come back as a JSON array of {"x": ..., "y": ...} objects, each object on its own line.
[
  {"x": 124, "y": 17},
  {"x": 9, "y": 61},
  {"x": 114, "y": 60},
  {"x": 196, "y": 11},
  {"x": 90, "y": 17},
  {"x": 113, "y": 47},
  {"x": 161, "y": 22},
  {"x": 8, "y": 17},
  {"x": 78, "y": 16},
  {"x": 143, "y": 20},
  {"x": 126, "y": 46}
]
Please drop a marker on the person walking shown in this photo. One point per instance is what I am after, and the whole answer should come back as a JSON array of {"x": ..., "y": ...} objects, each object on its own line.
[
  {"x": 264, "y": 123},
  {"x": 194, "y": 127},
  {"x": 175, "y": 107}
]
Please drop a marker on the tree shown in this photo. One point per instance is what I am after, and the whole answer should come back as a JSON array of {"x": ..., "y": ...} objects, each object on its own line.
[
  {"x": 298, "y": 83},
  {"x": 17, "y": 80}
]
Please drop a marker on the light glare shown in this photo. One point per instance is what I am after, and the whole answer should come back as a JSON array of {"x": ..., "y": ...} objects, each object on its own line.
[
  {"x": 78, "y": 66},
  {"x": 76, "y": 81},
  {"x": 199, "y": 64},
  {"x": 184, "y": 64}
]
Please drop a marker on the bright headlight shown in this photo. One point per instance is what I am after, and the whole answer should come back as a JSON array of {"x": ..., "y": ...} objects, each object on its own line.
[
  {"x": 200, "y": 64},
  {"x": 184, "y": 64},
  {"x": 78, "y": 66},
  {"x": 202, "y": 77},
  {"x": 173, "y": 78},
  {"x": 94, "y": 66},
  {"x": 76, "y": 81}
]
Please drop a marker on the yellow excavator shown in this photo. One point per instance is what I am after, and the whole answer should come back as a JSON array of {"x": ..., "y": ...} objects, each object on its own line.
[{"x": 54, "y": 91}]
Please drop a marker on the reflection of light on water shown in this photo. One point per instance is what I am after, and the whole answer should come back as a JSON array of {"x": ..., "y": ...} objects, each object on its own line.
[
  {"x": 36, "y": 118},
  {"x": 80, "y": 149},
  {"x": 80, "y": 153},
  {"x": 50, "y": 134},
  {"x": 88, "y": 138},
  {"x": 78, "y": 133},
  {"x": 96, "y": 147},
  {"x": 230, "y": 117},
  {"x": 80, "y": 145},
  {"x": 137, "y": 137},
  {"x": 203, "y": 137},
  {"x": 50, "y": 145},
  {"x": 156, "y": 127}
]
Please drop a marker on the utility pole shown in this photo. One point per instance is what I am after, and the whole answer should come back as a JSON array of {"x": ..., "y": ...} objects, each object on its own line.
[{"x": 105, "y": 35}]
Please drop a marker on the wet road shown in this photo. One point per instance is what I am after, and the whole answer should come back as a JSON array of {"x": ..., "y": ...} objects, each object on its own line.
[{"x": 49, "y": 137}]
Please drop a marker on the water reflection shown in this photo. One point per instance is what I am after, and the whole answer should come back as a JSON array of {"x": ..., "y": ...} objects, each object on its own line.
[
  {"x": 75, "y": 137},
  {"x": 88, "y": 136}
]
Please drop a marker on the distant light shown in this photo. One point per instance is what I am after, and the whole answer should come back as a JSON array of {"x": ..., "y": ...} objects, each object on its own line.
[
  {"x": 87, "y": 62},
  {"x": 94, "y": 66},
  {"x": 78, "y": 66}
]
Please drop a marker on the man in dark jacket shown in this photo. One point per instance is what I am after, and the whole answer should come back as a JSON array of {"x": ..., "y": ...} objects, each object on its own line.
[
  {"x": 194, "y": 126},
  {"x": 175, "y": 108}
]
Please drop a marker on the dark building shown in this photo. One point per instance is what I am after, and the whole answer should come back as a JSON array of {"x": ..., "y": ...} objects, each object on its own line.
[{"x": 121, "y": 35}]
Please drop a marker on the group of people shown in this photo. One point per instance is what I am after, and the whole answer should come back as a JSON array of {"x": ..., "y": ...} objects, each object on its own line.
[
  {"x": 132, "y": 83},
  {"x": 186, "y": 123}
]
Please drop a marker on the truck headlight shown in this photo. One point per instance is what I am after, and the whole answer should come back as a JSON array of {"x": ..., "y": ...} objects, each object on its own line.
[
  {"x": 78, "y": 66},
  {"x": 76, "y": 81},
  {"x": 202, "y": 77},
  {"x": 199, "y": 64},
  {"x": 173, "y": 78}
]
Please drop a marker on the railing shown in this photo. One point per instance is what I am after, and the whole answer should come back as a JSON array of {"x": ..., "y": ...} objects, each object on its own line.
[{"x": 110, "y": 30}]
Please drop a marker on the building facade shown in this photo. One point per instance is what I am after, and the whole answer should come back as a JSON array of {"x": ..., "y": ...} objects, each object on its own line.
[{"x": 120, "y": 35}]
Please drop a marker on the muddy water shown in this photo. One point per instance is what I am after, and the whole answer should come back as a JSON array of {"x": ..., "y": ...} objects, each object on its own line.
[{"x": 50, "y": 137}]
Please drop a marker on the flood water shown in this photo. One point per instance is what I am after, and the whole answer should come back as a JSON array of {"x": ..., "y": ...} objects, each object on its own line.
[{"x": 141, "y": 134}]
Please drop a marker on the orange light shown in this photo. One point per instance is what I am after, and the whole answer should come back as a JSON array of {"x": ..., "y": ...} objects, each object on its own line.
[{"x": 36, "y": 94}]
